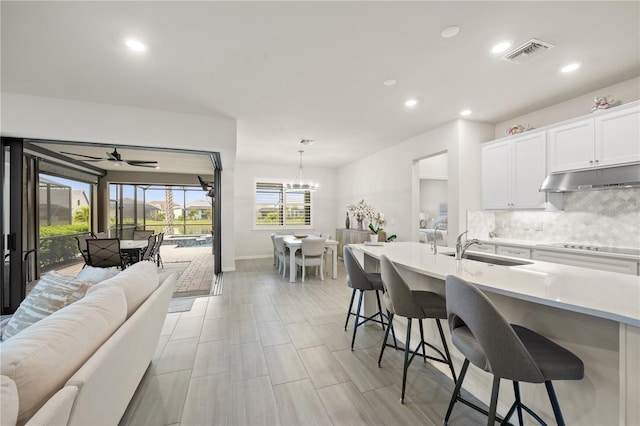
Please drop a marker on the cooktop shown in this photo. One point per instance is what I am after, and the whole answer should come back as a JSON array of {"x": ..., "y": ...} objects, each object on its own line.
[{"x": 603, "y": 249}]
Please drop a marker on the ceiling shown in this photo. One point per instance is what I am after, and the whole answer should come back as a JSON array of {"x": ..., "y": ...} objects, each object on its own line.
[
  {"x": 292, "y": 70},
  {"x": 168, "y": 161}
]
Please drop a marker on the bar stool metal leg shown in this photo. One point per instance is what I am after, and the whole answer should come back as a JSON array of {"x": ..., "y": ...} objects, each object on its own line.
[
  {"x": 554, "y": 403},
  {"x": 494, "y": 401},
  {"x": 380, "y": 309},
  {"x": 353, "y": 295},
  {"x": 516, "y": 391},
  {"x": 407, "y": 349},
  {"x": 357, "y": 323},
  {"x": 456, "y": 391},
  {"x": 424, "y": 350},
  {"x": 386, "y": 335},
  {"x": 446, "y": 350}
]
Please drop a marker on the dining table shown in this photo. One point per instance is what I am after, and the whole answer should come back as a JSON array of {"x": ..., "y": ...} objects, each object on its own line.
[
  {"x": 133, "y": 248},
  {"x": 294, "y": 243}
]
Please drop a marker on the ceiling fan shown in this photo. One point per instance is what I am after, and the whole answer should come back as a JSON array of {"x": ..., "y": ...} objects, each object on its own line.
[{"x": 115, "y": 157}]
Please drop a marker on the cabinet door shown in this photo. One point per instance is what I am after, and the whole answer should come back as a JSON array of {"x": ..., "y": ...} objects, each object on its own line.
[
  {"x": 496, "y": 175},
  {"x": 528, "y": 171},
  {"x": 523, "y": 253},
  {"x": 618, "y": 136},
  {"x": 571, "y": 146}
]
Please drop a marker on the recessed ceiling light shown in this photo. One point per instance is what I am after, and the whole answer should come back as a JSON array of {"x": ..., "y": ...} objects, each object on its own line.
[
  {"x": 571, "y": 67},
  {"x": 465, "y": 112},
  {"x": 501, "y": 47},
  {"x": 390, "y": 82},
  {"x": 135, "y": 45},
  {"x": 449, "y": 32},
  {"x": 411, "y": 103}
]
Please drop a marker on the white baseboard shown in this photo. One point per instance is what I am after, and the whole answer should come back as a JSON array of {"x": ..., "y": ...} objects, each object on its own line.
[{"x": 255, "y": 256}]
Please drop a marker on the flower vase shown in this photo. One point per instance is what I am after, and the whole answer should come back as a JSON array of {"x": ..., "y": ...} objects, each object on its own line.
[
  {"x": 360, "y": 225},
  {"x": 347, "y": 222},
  {"x": 373, "y": 238}
]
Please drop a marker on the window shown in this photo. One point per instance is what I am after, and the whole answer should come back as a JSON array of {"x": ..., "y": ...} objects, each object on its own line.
[{"x": 275, "y": 207}]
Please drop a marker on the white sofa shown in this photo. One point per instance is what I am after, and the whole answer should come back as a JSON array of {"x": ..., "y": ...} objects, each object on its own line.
[{"x": 82, "y": 364}]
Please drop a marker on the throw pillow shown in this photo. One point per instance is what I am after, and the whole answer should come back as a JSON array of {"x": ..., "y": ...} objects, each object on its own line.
[
  {"x": 96, "y": 275},
  {"x": 53, "y": 292}
]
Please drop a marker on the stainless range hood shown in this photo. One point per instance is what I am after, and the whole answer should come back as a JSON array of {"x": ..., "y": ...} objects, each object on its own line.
[{"x": 594, "y": 179}]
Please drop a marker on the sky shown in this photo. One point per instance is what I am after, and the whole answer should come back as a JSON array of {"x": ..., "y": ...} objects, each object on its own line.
[{"x": 194, "y": 193}]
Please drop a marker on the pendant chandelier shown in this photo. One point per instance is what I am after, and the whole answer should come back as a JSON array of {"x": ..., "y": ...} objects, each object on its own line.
[{"x": 300, "y": 184}]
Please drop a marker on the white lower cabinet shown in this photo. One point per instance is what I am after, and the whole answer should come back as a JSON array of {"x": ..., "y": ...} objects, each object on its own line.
[
  {"x": 587, "y": 261},
  {"x": 483, "y": 248},
  {"x": 523, "y": 253}
]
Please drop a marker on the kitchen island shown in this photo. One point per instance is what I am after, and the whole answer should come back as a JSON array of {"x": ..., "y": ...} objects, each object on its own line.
[{"x": 595, "y": 314}]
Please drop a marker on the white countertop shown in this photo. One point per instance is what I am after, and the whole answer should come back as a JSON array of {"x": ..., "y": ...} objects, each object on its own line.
[{"x": 597, "y": 293}]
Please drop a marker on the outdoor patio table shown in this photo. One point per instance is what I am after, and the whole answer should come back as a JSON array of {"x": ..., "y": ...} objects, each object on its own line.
[{"x": 133, "y": 248}]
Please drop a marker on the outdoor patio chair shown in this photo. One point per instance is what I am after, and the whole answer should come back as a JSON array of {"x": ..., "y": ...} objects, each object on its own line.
[
  {"x": 105, "y": 253},
  {"x": 147, "y": 254},
  {"x": 156, "y": 249},
  {"x": 82, "y": 246},
  {"x": 141, "y": 234}
]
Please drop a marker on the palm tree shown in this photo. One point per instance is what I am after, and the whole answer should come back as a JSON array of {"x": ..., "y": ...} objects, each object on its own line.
[
  {"x": 81, "y": 214},
  {"x": 168, "y": 211}
]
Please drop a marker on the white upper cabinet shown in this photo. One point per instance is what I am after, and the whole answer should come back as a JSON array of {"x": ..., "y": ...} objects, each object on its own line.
[
  {"x": 512, "y": 171},
  {"x": 618, "y": 136},
  {"x": 571, "y": 146},
  {"x": 605, "y": 139}
]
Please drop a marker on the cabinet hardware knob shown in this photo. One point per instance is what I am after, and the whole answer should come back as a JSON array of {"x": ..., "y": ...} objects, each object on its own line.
[
  {"x": 597, "y": 161},
  {"x": 590, "y": 161}
]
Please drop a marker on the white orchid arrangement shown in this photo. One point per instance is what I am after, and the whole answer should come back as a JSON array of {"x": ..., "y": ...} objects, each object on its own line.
[
  {"x": 378, "y": 220},
  {"x": 361, "y": 210}
]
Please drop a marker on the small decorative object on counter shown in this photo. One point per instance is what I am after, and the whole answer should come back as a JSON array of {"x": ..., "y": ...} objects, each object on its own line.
[
  {"x": 518, "y": 128},
  {"x": 601, "y": 102},
  {"x": 347, "y": 222}
]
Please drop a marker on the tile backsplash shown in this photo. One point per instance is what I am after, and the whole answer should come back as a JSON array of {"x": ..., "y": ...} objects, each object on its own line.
[{"x": 604, "y": 218}]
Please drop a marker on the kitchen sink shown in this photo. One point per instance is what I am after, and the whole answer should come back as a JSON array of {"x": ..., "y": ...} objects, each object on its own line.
[{"x": 491, "y": 259}]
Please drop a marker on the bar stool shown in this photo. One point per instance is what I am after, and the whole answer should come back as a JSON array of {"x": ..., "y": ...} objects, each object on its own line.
[
  {"x": 358, "y": 279},
  {"x": 399, "y": 299},
  {"x": 505, "y": 350}
]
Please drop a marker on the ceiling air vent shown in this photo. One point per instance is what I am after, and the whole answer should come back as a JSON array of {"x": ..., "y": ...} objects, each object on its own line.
[{"x": 526, "y": 51}]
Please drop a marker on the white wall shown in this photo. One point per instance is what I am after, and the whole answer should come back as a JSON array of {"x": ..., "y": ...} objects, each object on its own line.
[
  {"x": 432, "y": 193},
  {"x": 60, "y": 119},
  {"x": 389, "y": 179},
  {"x": 252, "y": 242},
  {"x": 434, "y": 167},
  {"x": 625, "y": 91}
]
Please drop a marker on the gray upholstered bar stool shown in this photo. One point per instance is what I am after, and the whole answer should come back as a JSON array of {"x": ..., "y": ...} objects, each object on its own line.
[
  {"x": 505, "y": 350},
  {"x": 399, "y": 299},
  {"x": 358, "y": 279}
]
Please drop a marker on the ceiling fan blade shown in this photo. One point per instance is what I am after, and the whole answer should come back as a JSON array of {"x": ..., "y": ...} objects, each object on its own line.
[
  {"x": 137, "y": 164},
  {"x": 82, "y": 155},
  {"x": 140, "y": 162}
]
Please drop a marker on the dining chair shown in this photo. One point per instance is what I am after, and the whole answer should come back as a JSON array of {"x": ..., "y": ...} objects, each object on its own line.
[
  {"x": 101, "y": 235},
  {"x": 281, "y": 252},
  {"x": 311, "y": 254},
  {"x": 105, "y": 253},
  {"x": 275, "y": 253},
  {"x": 142, "y": 234}
]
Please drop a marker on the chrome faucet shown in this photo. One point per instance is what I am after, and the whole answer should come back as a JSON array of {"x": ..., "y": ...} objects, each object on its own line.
[
  {"x": 434, "y": 246},
  {"x": 460, "y": 248}
]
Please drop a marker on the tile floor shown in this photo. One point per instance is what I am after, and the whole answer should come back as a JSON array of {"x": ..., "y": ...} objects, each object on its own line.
[{"x": 270, "y": 352}]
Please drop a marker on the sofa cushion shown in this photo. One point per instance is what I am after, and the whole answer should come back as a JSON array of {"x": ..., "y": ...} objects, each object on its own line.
[
  {"x": 8, "y": 401},
  {"x": 97, "y": 275},
  {"x": 52, "y": 292},
  {"x": 138, "y": 282},
  {"x": 44, "y": 356}
]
